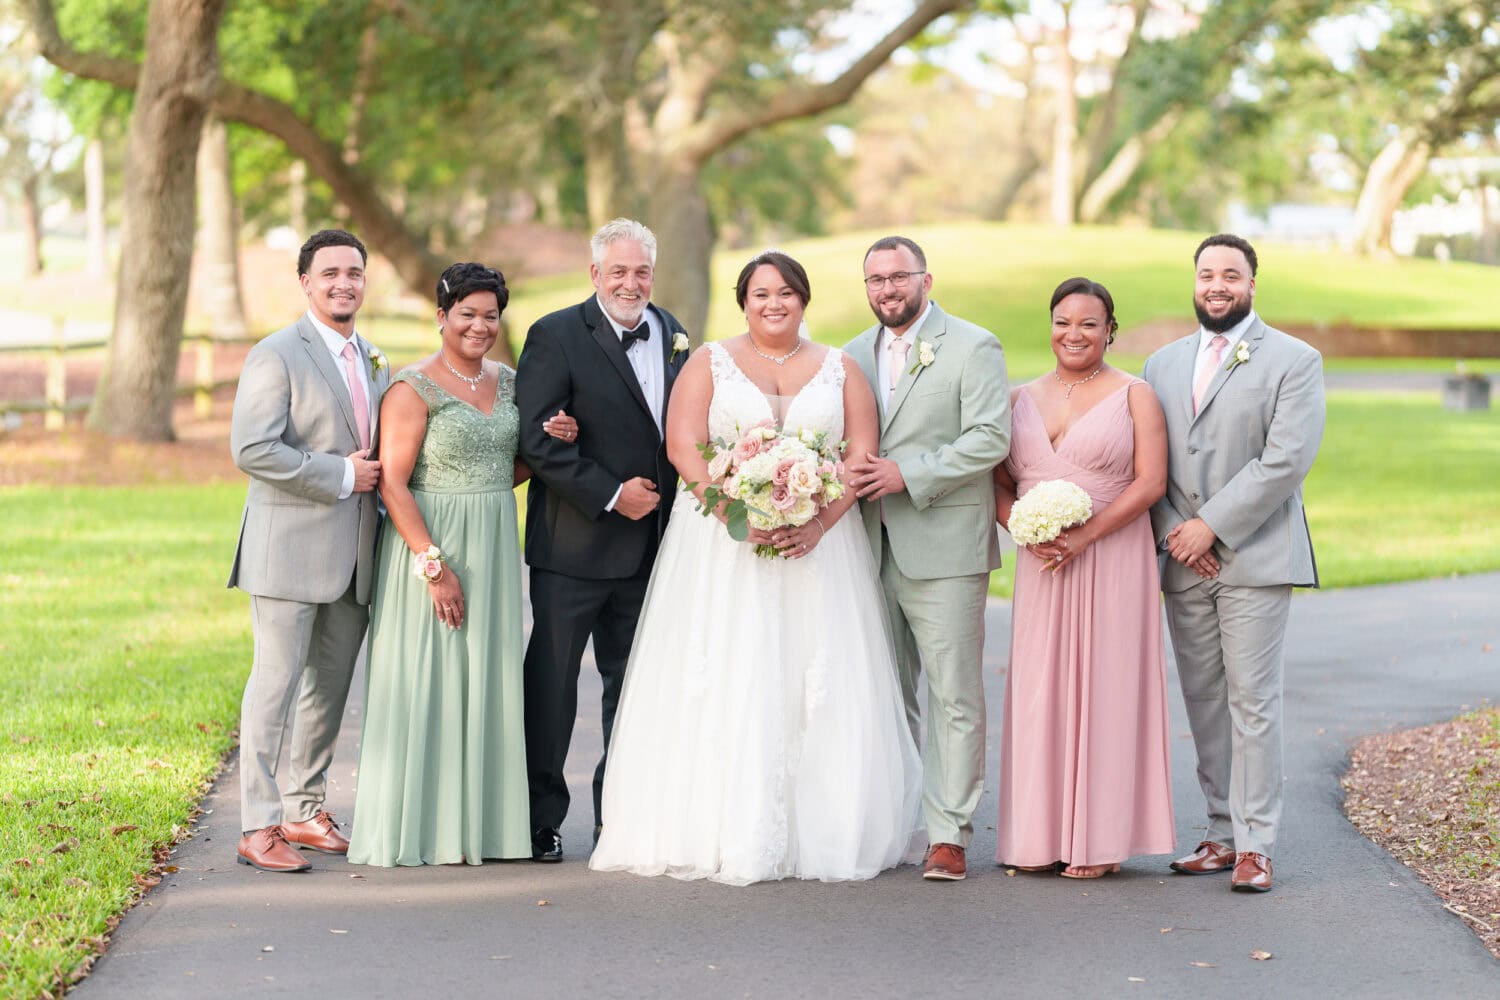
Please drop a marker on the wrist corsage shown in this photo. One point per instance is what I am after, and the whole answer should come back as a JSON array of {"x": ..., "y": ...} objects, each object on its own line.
[{"x": 428, "y": 564}]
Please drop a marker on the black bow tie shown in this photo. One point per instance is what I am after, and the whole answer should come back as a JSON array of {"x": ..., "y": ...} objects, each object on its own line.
[{"x": 641, "y": 333}]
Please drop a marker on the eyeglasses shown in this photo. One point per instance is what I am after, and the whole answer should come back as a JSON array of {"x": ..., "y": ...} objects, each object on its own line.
[{"x": 898, "y": 279}]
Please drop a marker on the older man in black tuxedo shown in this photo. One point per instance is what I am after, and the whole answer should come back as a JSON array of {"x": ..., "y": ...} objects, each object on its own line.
[{"x": 594, "y": 511}]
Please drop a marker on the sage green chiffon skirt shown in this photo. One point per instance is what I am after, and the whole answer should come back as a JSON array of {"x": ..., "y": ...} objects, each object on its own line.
[{"x": 442, "y": 762}]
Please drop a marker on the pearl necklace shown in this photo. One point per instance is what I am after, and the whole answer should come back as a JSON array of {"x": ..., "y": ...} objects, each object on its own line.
[
  {"x": 472, "y": 381},
  {"x": 1073, "y": 385},
  {"x": 781, "y": 360}
]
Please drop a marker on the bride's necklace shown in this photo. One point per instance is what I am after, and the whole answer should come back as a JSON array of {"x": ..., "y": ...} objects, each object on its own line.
[
  {"x": 1073, "y": 385},
  {"x": 781, "y": 360},
  {"x": 472, "y": 381}
]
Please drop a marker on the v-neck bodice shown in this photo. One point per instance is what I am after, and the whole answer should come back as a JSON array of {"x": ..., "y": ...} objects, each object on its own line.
[
  {"x": 1097, "y": 452},
  {"x": 739, "y": 403},
  {"x": 465, "y": 449}
]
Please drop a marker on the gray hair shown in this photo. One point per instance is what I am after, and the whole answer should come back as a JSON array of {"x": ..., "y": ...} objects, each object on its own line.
[{"x": 616, "y": 230}]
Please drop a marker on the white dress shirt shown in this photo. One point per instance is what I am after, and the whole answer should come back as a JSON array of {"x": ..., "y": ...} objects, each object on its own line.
[
  {"x": 883, "y": 354},
  {"x": 649, "y": 367},
  {"x": 335, "y": 342},
  {"x": 1205, "y": 341}
]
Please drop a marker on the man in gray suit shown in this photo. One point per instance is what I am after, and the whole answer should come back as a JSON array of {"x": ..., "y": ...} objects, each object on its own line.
[
  {"x": 930, "y": 512},
  {"x": 304, "y": 431},
  {"x": 1244, "y": 410}
]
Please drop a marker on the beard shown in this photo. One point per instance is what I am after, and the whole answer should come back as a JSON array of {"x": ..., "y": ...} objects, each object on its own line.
[
  {"x": 1218, "y": 324},
  {"x": 909, "y": 310}
]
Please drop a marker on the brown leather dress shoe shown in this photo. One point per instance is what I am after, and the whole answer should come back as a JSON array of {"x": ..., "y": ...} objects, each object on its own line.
[
  {"x": 1252, "y": 873},
  {"x": 268, "y": 850},
  {"x": 1210, "y": 857},
  {"x": 320, "y": 833},
  {"x": 945, "y": 863}
]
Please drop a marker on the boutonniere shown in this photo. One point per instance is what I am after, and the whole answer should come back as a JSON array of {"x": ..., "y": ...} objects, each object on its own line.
[
  {"x": 377, "y": 360},
  {"x": 680, "y": 344},
  {"x": 926, "y": 355},
  {"x": 1241, "y": 356}
]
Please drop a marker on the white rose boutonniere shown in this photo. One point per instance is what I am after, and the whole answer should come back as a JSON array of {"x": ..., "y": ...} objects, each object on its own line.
[
  {"x": 1241, "y": 356},
  {"x": 377, "y": 360},
  {"x": 926, "y": 355},
  {"x": 679, "y": 345}
]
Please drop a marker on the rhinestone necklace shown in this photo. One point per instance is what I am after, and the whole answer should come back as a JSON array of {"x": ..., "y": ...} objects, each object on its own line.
[
  {"x": 1073, "y": 385},
  {"x": 472, "y": 381},
  {"x": 781, "y": 360}
]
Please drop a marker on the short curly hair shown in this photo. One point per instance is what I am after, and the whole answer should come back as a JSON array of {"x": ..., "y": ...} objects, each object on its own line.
[{"x": 460, "y": 281}]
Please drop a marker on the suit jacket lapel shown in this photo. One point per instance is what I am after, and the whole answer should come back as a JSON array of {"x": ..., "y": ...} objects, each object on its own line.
[
  {"x": 323, "y": 362},
  {"x": 609, "y": 342},
  {"x": 668, "y": 367},
  {"x": 932, "y": 330},
  {"x": 379, "y": 382},
  {"x": 1251, "y": 340}
]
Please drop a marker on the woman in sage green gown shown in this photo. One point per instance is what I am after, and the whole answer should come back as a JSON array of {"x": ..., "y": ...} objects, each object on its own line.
[{"x": 442, "y": 763}]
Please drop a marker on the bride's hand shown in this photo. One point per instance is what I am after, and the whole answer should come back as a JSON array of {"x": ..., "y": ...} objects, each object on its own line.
[{"x": 794, "y": 543}]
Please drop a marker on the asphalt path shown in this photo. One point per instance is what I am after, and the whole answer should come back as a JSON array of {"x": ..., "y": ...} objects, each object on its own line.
[{"x": 1345, "y": 919}]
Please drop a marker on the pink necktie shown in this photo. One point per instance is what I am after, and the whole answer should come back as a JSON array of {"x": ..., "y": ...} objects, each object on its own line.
[
  {"x": 898, "y": 347},
  {"x": 1216, "y": 348},
  {"x": 357, "y": 394}
]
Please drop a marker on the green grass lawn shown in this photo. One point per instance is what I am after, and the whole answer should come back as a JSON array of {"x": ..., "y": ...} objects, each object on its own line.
[
  {"x": 1001, "y": 277},
  {"x": 122, "y": 659}
]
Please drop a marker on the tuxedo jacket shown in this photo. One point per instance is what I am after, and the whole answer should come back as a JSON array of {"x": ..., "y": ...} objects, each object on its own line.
[
  {"x": 947, "y": 426},
  {"x": 292, "y": 427},
  {"x": 573, "y": 360},
  {"x": 1239, "y": 462}
]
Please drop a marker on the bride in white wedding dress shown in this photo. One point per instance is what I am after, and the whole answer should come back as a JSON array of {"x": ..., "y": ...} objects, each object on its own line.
[{"x": 761, "y": 732}]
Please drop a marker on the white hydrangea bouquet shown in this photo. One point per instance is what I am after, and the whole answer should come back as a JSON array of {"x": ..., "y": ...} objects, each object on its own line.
[
  {"x": 771, "y": 479},
  {"x": 1047, "y": 509}
]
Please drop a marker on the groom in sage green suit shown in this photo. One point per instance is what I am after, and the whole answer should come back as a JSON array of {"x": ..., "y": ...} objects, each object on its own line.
[
  {"x": 1244, "y": 410},
  {"x": 304, "y": 431},
  {"x": 929, "y": 508}
]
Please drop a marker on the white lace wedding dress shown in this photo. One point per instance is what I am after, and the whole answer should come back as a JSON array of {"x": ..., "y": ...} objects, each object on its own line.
[{"x": 761, "y": 733}]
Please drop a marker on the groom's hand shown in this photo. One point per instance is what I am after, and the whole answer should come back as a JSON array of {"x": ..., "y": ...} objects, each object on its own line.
[
  {"x": 875, "y": 477},
  {"x": 638, "y": 497}
]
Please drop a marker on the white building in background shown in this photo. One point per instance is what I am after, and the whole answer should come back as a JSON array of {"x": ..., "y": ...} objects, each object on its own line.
[{"x": 1330, "y": 226}]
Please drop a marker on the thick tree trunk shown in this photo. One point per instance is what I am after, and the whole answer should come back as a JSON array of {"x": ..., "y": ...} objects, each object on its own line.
[
  {"x": 1064, "y": 128},
  {"x": 1391, "y": 174},
  {"x": 31, "y": 225},
  {"x": 678, "y": 214},
  {"x": 1122, "y": 167},
  {"x": 220, "y": 261},
  {"x": 296, "y": 197},
  {"x": 138, "y": 385},
  {"x": 93, "y": 198}
]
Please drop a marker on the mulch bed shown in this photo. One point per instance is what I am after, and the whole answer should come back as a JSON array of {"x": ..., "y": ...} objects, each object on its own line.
[{"x": 1431, "y": 797}]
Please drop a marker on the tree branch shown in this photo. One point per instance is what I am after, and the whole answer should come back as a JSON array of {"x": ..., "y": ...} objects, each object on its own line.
[
  {"x": 416, "y": 265},
  {"x": 709, "y": 136}
]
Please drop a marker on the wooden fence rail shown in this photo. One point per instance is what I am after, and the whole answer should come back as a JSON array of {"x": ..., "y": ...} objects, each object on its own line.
[{"x": 55, "y": 404}]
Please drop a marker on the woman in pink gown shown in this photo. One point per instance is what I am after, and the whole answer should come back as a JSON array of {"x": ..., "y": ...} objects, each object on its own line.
[{"x": 1084, "y": 773}]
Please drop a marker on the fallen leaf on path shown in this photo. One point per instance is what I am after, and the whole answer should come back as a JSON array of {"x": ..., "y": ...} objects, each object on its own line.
[
  {"x": 1010, "y": 873},
  {"x": 335, "y": 930},
  {"x": 543, "y": 902},
  {"x": 268, "y": 948},
  {"x": 1203, "y": 965},
  {"x": 499, "y": 958},
  {"x": 356, "y": 876},
  {"x": 1260, "y": 955},
  {"x": 1166, "y": 930},
  {"x": 170, "y": 869},
  {"x": 1134, "y": 979}
]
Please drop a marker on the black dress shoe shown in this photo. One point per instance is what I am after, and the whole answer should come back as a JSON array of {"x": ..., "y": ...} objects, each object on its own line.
[{"x": 546, "y": 844}]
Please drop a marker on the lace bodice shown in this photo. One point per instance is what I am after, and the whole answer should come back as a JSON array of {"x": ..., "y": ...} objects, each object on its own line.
[
  {"x": 738, "y": 403},
  {"x": 464, "y": 450}
]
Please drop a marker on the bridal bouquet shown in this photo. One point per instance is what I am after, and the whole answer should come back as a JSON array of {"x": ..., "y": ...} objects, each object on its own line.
[
  {"x": 1048, "y": 508},
  {"x": 771, "y": 479}
]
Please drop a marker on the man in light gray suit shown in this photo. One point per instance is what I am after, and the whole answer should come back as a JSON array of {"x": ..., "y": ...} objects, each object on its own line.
[
  {"x": 1244, "y": 410},
  {"x": 930, "y": 512},
  {"x": 304, "y": 431}
]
